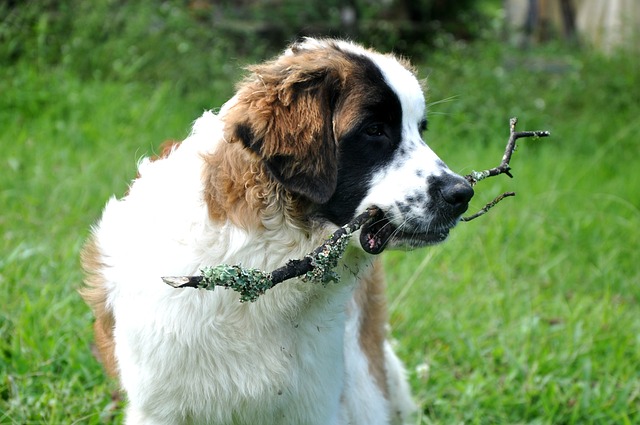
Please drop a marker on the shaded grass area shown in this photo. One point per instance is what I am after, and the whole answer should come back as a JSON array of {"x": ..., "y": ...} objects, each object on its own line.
[{"x": 529, "y": 314}]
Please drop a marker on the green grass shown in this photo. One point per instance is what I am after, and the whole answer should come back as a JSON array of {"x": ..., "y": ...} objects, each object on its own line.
[{"x": 530, "y": 314}]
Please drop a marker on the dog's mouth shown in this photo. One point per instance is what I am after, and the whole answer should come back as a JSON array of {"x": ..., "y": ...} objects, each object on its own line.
[{"x": 380, "y": 233}]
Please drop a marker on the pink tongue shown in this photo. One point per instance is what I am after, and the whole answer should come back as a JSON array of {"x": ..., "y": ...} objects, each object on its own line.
[{"x": 371, "y": 241}]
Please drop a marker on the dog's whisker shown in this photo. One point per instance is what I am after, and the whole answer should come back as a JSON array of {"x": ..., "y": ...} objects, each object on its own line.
[{"x": 444, "y": 100}]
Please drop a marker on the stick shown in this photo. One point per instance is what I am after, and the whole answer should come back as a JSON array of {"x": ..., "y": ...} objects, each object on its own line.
[
  {"x": 318, "y": 265},
  {"x": 487, "y": 207}
]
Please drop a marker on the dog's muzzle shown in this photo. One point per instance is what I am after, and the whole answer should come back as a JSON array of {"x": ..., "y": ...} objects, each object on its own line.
[{"x": 450, "y": 196}]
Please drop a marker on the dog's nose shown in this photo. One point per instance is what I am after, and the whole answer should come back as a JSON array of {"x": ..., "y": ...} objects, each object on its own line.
[{"x": 457, "y": 192}]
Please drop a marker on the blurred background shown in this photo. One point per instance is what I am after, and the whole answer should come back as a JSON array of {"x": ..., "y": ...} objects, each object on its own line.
[
  {"x": 530, "y": 314},
  {"x": 119, "y": 39}
]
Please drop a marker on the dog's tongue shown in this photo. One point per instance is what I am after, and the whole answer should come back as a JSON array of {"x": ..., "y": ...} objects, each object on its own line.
[{"x": 374, "y": 236}]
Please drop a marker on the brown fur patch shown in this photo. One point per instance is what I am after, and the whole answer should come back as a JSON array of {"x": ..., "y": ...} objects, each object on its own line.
[
  {"x": 283, "y": 119},
  {"x": 372, "y": 302},
  {"x": 236, "y": 186},
  {"x": 94, "y": 294},
  {"x": 284, "y": 113}
]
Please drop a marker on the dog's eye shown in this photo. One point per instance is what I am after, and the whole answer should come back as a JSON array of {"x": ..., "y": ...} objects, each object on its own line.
[
  {"x": 422, "y": 126},
  {"x": 375, "y": 130}
]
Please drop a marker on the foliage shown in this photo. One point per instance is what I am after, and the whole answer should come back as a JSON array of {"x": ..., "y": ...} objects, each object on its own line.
[
  {"x": 530, "y": 314},
  {"x": 153, "y": 40}
]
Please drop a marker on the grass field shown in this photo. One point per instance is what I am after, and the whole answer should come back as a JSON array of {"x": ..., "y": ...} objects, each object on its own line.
[{"x": 530, "y": 314}]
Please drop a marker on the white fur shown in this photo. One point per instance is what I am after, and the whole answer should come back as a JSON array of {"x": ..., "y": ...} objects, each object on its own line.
[{"x": 363, "y": 399}]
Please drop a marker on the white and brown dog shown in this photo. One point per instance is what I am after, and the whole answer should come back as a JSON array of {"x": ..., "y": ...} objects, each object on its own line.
[{"x": 310, "y": 140}]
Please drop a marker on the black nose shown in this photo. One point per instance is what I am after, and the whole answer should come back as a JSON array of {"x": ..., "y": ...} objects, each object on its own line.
[{"x": 456, "y": 191}]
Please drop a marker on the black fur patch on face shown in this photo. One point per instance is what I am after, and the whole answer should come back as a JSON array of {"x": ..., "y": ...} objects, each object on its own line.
[{"x": 368, "y": 146}]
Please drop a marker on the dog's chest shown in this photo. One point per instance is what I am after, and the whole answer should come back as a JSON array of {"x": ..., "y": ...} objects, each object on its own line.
[{"x": 253, "y": 364}]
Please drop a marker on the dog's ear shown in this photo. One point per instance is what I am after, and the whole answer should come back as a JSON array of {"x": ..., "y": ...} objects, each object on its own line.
[{"x": 284, "y": 113}]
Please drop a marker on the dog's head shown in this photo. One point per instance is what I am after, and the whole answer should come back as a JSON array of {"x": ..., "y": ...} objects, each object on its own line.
[{"x": 341, "y": 126}]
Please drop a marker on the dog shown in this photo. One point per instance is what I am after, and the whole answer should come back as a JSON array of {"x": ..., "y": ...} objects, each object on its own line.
[{"x": 309, "y": 140}]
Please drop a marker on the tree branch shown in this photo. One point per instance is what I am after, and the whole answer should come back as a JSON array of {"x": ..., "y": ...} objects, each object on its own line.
[{"x": 318, "y": 265}]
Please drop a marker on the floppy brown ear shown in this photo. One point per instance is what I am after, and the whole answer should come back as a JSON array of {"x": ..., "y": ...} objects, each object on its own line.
[{"x": 283, "y": 113}]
